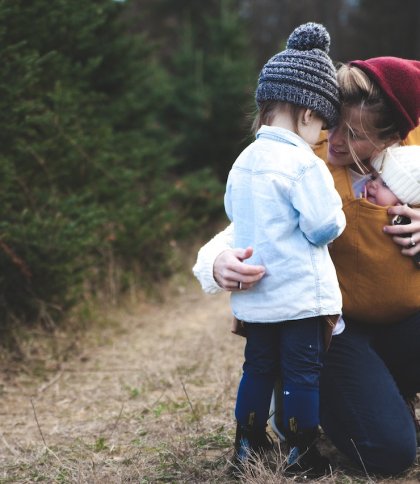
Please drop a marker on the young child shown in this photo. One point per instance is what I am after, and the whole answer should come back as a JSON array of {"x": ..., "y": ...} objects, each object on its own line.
[{"x": 283, "y": 203}]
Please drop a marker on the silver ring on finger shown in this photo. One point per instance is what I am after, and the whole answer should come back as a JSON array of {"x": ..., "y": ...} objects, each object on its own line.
[
  {"x": 412, "y": 242},
  {"x": 240, "y": 285}
]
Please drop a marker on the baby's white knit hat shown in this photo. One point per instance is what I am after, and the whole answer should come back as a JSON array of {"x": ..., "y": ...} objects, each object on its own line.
[{"x": 399, "y": 168}]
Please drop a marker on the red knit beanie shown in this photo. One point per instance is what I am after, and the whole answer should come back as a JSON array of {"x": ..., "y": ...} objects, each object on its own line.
[{"x": 399, "y": 79}]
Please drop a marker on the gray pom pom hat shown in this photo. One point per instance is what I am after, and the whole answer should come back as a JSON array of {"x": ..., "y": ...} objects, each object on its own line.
[{"x": 303, "y": 74}]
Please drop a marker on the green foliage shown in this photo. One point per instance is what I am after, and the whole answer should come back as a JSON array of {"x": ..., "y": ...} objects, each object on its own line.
[
  {"x": 385, "y": 28},
  {"x": 44, "y": 257},
  {"x": 100, "y": 444},
  {"x": 109, "y": 149},
  {"x": 213, "y": 80}
]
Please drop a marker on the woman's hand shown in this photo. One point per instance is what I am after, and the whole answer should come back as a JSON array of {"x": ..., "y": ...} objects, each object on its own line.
[
  {"x": 398, "y": 231},
  {"x": 232, "y": 274}
]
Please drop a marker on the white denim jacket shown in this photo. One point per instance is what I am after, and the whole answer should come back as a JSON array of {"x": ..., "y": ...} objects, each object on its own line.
[{"x": 283, "y": 203}]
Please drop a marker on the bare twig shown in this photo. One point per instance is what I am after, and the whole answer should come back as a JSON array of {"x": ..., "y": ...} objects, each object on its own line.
[
  {"x": 117, "y": 421},
  {"x": 46, "y": 385},
  {"x": 189, "y": 401},
  {"x": 12, "y": 450},
  {"x": 17, "y": 261},
  {"x": 42, "y": 435},
  {"x": 37, "y": 422},
  {"x": 361, "y": 461},
  {"x": 158, "y": 399}
]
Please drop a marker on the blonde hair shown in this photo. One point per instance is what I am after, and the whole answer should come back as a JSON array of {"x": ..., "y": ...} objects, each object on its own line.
[
  {"x": 376, "y": 117},
  {"x": 357, "y": 89}
]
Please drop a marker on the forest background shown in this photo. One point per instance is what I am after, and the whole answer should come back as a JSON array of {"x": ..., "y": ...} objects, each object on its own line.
[{"x": 119, "y": 122}]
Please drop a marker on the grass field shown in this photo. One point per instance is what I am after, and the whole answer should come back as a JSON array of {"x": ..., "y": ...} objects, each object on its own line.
[{"x": 144, "y": 396}]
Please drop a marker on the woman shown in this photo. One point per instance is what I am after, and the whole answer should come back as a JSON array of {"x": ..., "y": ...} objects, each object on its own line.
[{"x": 372, "y": 370}]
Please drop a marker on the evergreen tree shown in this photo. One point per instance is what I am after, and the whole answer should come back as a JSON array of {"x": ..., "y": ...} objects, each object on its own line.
[
  {"x": 386, "y": 28},
  {"x": 85, "y": 155},
  {"x": 207, "y": 51}
]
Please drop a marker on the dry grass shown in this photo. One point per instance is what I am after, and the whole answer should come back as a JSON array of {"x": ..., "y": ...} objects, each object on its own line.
[{"x": 146, "y": 399}]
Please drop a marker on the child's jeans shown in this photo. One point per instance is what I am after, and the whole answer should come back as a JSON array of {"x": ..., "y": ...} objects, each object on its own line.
[{"x": 292, "y": 350}]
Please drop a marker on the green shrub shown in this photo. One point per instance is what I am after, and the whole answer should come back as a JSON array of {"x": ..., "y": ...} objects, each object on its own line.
[{"x": 108, "y": 152}]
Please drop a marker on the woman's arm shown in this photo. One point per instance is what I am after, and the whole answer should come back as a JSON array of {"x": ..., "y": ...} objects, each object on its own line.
[
  {"x": 398, "y": 231},
  {"x": 220, "y": 266}
]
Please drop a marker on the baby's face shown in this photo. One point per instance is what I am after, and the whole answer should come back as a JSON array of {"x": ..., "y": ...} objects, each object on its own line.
[{"x": 378, "y": 192}]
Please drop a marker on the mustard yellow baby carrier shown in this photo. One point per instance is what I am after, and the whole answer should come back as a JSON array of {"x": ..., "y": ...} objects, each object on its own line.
[{"x": 379, "y": 285}]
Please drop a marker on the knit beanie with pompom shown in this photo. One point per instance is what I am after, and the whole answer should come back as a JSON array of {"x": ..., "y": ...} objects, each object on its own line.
[{"x": 303, "y": 74}]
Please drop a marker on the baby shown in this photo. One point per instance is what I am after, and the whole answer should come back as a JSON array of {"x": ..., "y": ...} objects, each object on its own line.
[
  {"x": 396, "y": 177},
  {"x": 395, "y": 180}
]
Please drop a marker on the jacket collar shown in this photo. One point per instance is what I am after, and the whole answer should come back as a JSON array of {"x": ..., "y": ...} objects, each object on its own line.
[{"x": 282, "y": 135}]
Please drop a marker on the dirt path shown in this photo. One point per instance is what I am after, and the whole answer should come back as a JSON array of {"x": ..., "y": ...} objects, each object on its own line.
[
  {"x": 166, "y": 369},
  {"x": 150, "y": 399}
]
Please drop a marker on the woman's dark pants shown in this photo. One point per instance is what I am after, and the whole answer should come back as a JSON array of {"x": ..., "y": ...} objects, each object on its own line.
[{"x": 368, "y": 372}]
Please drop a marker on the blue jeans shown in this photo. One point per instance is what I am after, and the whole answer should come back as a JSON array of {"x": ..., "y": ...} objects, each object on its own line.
[
  {"x": 293, "y": 350},
  {"x": 368, "y": 371}
]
